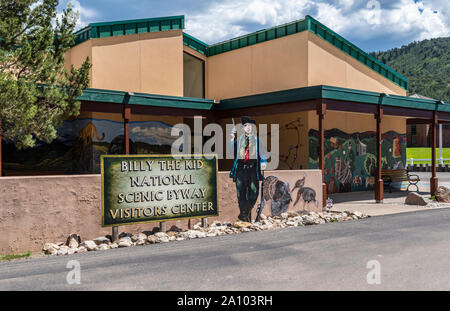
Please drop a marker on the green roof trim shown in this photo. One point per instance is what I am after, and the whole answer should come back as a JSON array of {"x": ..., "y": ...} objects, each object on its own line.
[
  {"x": 195, "y": 44},
  {"x": 330, "y": 92},
  {"x": 258, "y": 37},
  {"x": 129, "y": 27},
  {"x": 119, "y": 97}
]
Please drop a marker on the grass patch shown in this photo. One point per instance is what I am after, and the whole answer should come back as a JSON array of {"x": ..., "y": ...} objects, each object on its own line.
[
  {"x": 14, "y": 256},
  {"x": 425, "y": 153}
]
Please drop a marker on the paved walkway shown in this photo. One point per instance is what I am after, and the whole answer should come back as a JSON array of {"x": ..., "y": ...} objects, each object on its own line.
[
  {"x": 364, "y": 202},
  {"x": 393, "y": 203}
]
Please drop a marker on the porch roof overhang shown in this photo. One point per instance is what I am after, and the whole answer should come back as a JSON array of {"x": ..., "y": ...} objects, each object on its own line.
[
  {"x": 284, "y": 101},
  {"x": 99, "y": 100}
]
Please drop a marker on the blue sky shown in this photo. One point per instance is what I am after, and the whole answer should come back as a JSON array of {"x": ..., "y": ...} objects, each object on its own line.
[{"x": 372, "y": 25}]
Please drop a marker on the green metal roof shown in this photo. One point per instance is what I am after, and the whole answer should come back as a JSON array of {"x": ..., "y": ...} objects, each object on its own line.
[
  {"x": 330, "y": 92},
  {"x": 261, "y": 100},
  {"x": 119, "y": 28},
  {"x": 119, "y": 97},
  {"x": 129, "y": 27},
  {"x": 195, "y": 44}
]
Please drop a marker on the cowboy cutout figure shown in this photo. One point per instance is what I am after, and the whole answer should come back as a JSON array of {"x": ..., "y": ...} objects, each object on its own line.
[{"x": 249, "y": 160}]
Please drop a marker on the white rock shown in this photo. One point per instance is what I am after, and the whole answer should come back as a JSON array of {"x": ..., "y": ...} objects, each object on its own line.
[
  {"x": 71, "y": 251},
  {"x": 125, "y": 242},
  {"x": 103, "y": 247},
  {"x": 114, "y": 245},
  {"x": 284, "y": 215},
  {"x": 81, "y": 249},
  {"x": 139, "y": 236},
  {"x": 63, "y": 250},
  {"x": 101, "y": 240},
  {"x": 162, "y": 236},
  {"x": 152, "y": 239},
  {"x": 194, "y": 234},
  {"x": 90, "y": 245},
  {"x": 358, "y": 214},
  {"x": 73, "y": 243},
  {"x": 50, "y": 248}
]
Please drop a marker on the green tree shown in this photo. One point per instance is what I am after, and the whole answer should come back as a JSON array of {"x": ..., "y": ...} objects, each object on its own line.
[
  {"x": 37, "y": 92},
  {"x": 426, "y": 64}
]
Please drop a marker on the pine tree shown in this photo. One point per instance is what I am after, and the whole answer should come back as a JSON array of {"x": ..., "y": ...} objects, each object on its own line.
[{"x": 37, "y": 92}]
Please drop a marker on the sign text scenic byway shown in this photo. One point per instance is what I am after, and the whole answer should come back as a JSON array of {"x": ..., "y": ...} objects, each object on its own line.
[{"x": 144, "y": 188}]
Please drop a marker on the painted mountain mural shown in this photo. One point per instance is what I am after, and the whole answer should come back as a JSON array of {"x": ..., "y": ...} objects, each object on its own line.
[
  {"x": 81, "y": 142},
  {"x": 350, "y": 159}
]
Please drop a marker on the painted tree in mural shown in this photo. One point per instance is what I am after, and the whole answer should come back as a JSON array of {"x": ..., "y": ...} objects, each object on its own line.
[{"x": 36, "y": 91}]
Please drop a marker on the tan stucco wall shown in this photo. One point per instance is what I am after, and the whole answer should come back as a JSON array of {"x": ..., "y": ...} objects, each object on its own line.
[
  {"x": 36, "y": 210},
  {"x": 330, "y": 66},
  {"x": 148, "y": 63},
  {"x": 153, "y": 63},
  {"x": 298, "y": 60},
  {"x": 268, "y": 66},
  {"x": 77, "y": 55}
]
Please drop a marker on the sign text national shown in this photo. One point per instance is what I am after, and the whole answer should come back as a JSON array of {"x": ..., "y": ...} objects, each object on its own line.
[{"x": 147, "y": 188}]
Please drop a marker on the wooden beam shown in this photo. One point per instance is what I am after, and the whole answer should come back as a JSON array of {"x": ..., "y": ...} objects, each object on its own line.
[
  {"x": 141, "y": 109},
  {"x": 407, "y": 112},
  {"x": 126, "y": 128},
  {"x": 379, "y": 191},
  {"x": 321, "y": 111},
  {"x": 307, "y": 105},
  {"x": 349, "y": 106},
  {"x": 433, "y": 179}
]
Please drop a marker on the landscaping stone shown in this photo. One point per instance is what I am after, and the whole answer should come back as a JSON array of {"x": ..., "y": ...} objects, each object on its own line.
[
  {"x": 414, "y": 198},
  {"x": 139, "y": 236},
  {"x": 73, "y": 241},
  {"x": 442, "y": 194},
  {"x": 101, "y": 240},
  {"x": 103, "y": 247},
  {"x": 288, "y": 219},
  {"x": 90, "y": 245},
  {"x": 125, "y": 242}
]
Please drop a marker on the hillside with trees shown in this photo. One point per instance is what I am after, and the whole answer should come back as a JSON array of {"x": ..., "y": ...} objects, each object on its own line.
[{"x": 426, "y": 64}]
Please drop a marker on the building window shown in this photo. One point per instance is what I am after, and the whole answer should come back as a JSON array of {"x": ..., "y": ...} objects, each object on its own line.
[{"x": 193, "y": 76}]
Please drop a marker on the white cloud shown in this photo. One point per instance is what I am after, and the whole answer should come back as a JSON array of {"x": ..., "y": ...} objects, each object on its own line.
[
  {"x": 358, "y": 19},
  {"x": 229, "y": 18},
  {"x": 86, "y": 15}
]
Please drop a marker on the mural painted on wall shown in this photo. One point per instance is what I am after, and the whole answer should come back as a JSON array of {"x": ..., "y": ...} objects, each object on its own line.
[
  {"x": 81, "y": 142},
  {"x": 350, "y": 159},
  {"x": 275, "y": 188},
  {"x": 281, "y": 197},
  {"x": 290, "y": 156}
]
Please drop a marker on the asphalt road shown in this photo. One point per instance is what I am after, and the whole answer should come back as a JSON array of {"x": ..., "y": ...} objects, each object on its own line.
[{"x": 412, "y": 250}]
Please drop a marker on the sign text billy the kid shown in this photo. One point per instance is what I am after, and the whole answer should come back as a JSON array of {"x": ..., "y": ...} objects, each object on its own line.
[{"x": 147, "y": 188}]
